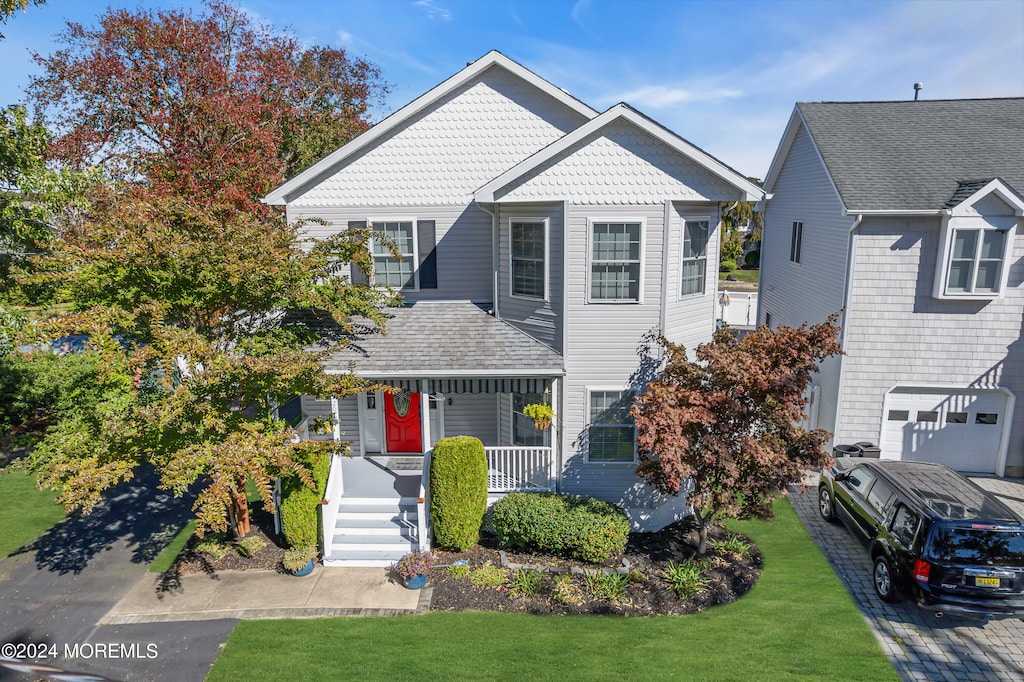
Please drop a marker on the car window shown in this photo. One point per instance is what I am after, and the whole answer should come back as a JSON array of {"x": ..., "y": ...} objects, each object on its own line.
[
  {"x": 880, "y": 496},
  {"x": 977, "y": 545},
  {"x": 904, "y": 526},
  {"x": 860, "y": 480}
]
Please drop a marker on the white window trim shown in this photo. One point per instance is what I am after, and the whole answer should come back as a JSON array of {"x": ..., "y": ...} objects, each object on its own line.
[
  {"x": 547, "y": 259},
  {"x": 682, "y": 257},
  {"x": 799, "y": 251},
  {"x": 588, "y": 423},
  {"x": 950, "y": 224},
  {"x": 415, "y": 247},
  {"x": 590, "y": 265}
]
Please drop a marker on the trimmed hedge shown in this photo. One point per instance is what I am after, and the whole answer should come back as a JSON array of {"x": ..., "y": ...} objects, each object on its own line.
[
  {"x": 727, "y": 266},
  {"x": 577, "y": 527},
  {"x": 458, "y": 491},
  {"x": 300, "y": 518}
]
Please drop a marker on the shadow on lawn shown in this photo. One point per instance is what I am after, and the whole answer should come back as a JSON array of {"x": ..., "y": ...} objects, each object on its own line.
[{"x": 135, "y": 513}]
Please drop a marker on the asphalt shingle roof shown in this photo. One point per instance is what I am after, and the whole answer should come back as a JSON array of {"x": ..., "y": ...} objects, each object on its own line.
[
  {"x": 431, "y": 338},
  {"x": 913, "y": 155}
]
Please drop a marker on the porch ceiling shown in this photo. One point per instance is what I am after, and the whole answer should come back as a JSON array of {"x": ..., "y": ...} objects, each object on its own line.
[{"x": 443, "y": 339}]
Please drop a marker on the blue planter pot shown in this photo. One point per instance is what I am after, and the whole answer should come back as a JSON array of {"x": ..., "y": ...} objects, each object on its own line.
[
  {"x": 305, "y": 570},
  {"x": 417, "y": 582}
]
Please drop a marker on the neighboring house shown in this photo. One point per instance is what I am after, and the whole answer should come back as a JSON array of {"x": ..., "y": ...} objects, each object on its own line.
[
  {"x": 540, "y": 241},
  {"x": 906, "y": 215}
]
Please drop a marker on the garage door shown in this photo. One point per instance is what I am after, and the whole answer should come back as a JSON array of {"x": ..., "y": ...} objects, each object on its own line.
[{"x": 962, "y": 429}]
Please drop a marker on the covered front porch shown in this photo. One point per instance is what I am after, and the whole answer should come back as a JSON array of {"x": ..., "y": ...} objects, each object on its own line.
[{"x": 443, "y": 369}]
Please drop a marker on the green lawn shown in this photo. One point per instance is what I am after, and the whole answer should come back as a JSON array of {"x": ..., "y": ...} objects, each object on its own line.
[
  {"x": 25, "y": 511},
  {"x": 742, "y": 275},
  {"x": 797, "y": 623}
]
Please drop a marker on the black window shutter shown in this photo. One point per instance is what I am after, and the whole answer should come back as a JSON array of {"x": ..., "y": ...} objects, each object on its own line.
[
  {"x": 358, "y": 276},
  {"x": 427, "y": 240}
]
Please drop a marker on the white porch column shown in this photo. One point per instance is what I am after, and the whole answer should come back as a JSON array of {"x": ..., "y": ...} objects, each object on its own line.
[
  {"x": 425, "y": 413},
  {"x": 336, "y": 413},
  {"x": 556, "y": 435}
]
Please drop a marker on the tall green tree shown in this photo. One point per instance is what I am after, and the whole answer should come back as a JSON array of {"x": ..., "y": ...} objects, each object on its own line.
[
  {"x": 724, "y": 428},
  {"x": 738, "y": 218}
]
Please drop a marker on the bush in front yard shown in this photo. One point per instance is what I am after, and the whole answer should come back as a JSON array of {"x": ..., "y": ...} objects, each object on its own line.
[
  {"x": 727, "y": 266},
  {"x": 577, "y": 527},
  {"x": 458, "y": 491},
  {"x": 300, "y": 518}
]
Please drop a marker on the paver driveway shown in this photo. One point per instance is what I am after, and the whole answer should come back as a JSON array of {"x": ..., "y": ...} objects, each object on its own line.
[{"x": 921, "y": 646}]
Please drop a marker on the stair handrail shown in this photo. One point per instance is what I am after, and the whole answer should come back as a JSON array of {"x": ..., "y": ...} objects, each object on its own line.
[
  {"x": 332, "y": 500},
  {"x": 423, "y": 504}
]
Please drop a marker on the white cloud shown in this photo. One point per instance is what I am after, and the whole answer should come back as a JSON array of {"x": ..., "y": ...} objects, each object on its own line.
[
  {"x": 433, "y": 11},
  {"x": 344, "y": 37},
  {"x": 661, "y": 96}
]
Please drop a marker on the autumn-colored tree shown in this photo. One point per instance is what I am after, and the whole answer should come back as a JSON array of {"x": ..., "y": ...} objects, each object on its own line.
[
  {"x": 724, "y": 428},
  {"x": 216, "y": 106},
  {"x": 186, "y": 307}
]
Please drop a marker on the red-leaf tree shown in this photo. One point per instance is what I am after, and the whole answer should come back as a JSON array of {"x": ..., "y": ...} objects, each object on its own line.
[
  {"x": 727, "y": 422},
  {"x": 214, "y": 106}
]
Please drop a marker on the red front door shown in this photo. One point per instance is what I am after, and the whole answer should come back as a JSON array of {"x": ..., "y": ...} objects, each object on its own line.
[{"x": 402, "y": 422}]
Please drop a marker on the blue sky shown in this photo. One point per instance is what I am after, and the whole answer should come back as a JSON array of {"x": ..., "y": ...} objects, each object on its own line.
[{"x": 724, "y": 74}]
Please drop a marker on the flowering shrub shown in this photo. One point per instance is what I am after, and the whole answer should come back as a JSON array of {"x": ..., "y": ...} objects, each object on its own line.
[{"x": 415, "y": 563}]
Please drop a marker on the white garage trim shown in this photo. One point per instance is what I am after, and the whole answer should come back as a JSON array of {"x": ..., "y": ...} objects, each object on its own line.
[{"x": 1004, "y": 437}]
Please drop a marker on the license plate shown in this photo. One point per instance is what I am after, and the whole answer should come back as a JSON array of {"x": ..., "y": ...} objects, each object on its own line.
[{"x": 981, "y": 581}]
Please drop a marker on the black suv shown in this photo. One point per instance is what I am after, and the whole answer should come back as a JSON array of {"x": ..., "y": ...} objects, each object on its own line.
[{"x": 933, "y": 535}]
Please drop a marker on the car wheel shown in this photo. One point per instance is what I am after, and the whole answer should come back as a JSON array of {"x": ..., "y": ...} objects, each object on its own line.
[
  {"x": 884, "y": 581},
  {"x": 825, "y": 507}
]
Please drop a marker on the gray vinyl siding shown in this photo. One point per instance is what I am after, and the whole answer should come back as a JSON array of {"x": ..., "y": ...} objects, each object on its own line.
[
  {"x": 897, "y": 333},
  {"x": 463, "y": 236},
  {"x": 473, "y": 414},
  {"x": 690, "y": 319},
  {"x": 811, "y": 290},
  {"x": 540, "y": 319},
  {"x": 601, "y": 350},
  {"x": 348, "y": 410}
]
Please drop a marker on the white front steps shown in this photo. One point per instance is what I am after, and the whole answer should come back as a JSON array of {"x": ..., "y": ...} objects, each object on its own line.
[{"x": 372, "y": 531}]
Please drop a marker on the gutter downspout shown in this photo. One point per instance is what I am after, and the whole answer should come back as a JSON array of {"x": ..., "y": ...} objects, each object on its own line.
[
  {"x": 494, "y": 259},
  {"x": 847, "y": 287}
]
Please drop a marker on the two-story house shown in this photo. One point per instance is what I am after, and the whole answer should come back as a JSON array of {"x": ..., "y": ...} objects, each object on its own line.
[
  {"x": 540, "y": 240},
  {"x": 905, "y": 216}
]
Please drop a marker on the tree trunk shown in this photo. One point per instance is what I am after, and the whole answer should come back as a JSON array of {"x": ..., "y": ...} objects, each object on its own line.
[
  {"x": 240, "y": 511},
  {"x": 702, "y": 531}
]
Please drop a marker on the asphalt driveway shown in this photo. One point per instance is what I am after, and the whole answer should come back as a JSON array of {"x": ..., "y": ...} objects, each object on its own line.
[
  {"x": 54, "y": 592},
  {"x": 921, "y": 646}
]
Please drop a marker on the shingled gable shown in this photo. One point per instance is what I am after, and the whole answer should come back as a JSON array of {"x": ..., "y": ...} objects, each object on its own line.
[
  {"x": 281, "y": 195},
  {"x": 909, "y": 156},
  {"x": 522, "y": 172},
  {"x": 444, "y": 339}
]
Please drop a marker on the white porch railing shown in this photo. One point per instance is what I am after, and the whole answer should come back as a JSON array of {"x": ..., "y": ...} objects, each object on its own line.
[
  {"x": 423, "y": 504},
  {"x": 519, "y": 467}
]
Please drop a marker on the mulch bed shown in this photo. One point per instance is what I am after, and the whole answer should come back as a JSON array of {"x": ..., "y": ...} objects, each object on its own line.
[{"x": 729, "y": 576}]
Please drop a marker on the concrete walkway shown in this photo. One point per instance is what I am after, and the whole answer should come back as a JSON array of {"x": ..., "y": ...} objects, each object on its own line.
[
  {"x": 921, "y": 646},
  {"x": 268, "y": 594}
]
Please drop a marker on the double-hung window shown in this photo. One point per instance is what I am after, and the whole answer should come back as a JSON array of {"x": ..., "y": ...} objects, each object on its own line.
[
  {"x": 615, "y": 253},
  {"x": 611, "y": 433},
  {"x": 529, "y": 258},
  {"x": 695, "y": 255},
  {"x": 796, "y": 239},
  {"x": 976, "y": 261},
  {"x": 389, "y": 270}
]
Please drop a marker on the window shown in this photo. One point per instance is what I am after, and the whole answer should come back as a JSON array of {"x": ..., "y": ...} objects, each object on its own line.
[
  {"x": 796, "y": 241},
  {"x": 523, "y": 430},
  {"x": 899, "y": 415},
  {"x": 388, "y": 270},
  {"x": 860, "y": 480},
  {"x": 986, "y": 418},
  {"x": 615, "y": 261},
  {"x": 611, "y": 433},
  {"x": 529, "y": 252},
  {"x": 927, "y": 416},
  {"x": 880, "y": 497},
  {"x": 956, "y": 417},
  {"x": 904, "y": 526},
  {"x": 695, "y": 252},
  {"x": 976, "y": 261}
]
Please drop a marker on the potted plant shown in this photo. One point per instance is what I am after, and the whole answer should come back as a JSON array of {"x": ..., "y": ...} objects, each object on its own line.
[
  {"x": 541, "y": 413},
  {"x": 299, "y": 560},
  {"x": 414, "y": 567}
]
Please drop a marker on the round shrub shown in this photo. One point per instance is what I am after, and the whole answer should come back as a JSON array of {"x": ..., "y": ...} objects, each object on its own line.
[
  {"x": 577, "y": 527},
  {"x": 752, "y": 259},
  {"x": 727, "y": 266},
  {"x": 458, "y": 491},
  {"x": 300, "y": 519}
]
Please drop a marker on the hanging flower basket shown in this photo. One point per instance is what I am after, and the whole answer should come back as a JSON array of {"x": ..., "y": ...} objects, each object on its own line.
[{"x": 542, "y": 415}]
